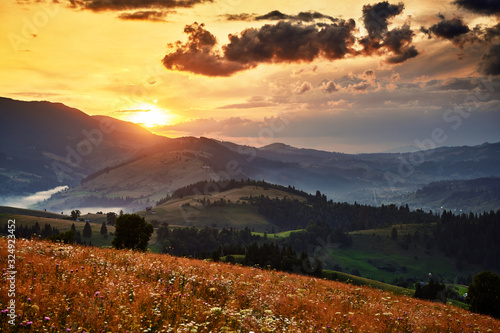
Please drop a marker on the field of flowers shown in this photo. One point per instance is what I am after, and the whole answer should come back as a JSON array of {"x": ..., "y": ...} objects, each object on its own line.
[{"x": 62, "y": 288}]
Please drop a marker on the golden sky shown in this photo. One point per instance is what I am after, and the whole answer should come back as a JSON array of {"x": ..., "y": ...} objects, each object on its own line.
[{"x": 284, "y": 76}]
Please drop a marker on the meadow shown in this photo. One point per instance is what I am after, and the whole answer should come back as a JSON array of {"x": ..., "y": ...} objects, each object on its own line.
[{"x": 65, "y": 288}]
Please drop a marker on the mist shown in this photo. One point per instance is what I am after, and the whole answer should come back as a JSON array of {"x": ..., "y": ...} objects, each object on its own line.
[{"x": 32, "y": 199}]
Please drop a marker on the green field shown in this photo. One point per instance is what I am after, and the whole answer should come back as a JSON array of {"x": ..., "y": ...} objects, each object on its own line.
[
  {"x": 283, "y": 234},
  {"x": 377, "y": 256},
  {"x": 373, "y": 253}
]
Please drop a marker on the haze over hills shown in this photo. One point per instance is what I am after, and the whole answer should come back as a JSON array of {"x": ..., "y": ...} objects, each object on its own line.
[
  {"x": 44, "y": 145},
  {"x": 110, "y": 161}
]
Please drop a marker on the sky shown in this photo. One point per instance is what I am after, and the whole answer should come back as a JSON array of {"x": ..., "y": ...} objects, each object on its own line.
[{"x": 347, "y": 76}]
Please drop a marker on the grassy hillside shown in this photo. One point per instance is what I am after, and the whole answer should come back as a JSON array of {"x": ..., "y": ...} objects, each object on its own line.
[
  {"x": 89, "y": 289},
  {"x": 30, "y": 212},
  {"x": 189, "y": 210},
  {"x": 28, "y": 218},
  {"x": 475, "y": 195},
  {"x": 377, "y": 256}
]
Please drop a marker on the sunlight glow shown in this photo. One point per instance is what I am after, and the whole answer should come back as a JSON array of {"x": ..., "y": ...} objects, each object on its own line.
[{"x": 150, "y": 115}]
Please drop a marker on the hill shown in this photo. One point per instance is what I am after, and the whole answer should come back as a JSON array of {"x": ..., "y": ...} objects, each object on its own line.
[
  {"x": 191, "y": 209},
  {"x": 87, "y": 289},
  {"x": 44, "y": 145},
  {"x": 368, "y": 178},
  {"x": 474, "y": 195}
]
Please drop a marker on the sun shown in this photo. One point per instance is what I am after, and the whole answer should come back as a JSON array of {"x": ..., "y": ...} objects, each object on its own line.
[{"x": 150, "y": 115}]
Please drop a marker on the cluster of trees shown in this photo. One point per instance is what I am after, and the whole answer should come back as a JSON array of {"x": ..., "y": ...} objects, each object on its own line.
[
  {"x": 483, "y": 295},
  {"x": 26, "y": 231},
  {"x": 318, "y": 234},
  {"x": 289, "y": 214},
  {"x": 470, "y": 238},
  {"x": 257, "y": 250},
  {"x": 430, "y": 291},
  {"x": 205, "y": 243},
  {"x": 270, "y": 255},
  {"x": 463, "y": 188},
  {"x": 52, "y": 233},
  {"x": 93, "y": 200},
  {"x": 211, "y": 187}
]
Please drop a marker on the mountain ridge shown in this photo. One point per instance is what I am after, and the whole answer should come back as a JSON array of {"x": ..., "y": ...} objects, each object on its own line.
[{"x": 149, "y": 166}]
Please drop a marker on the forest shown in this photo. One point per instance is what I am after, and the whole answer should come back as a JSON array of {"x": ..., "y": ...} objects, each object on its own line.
[{"x": 469, "y": 238}]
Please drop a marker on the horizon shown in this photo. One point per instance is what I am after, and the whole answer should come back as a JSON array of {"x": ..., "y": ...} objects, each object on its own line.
[{"x": 358, "y": 77}]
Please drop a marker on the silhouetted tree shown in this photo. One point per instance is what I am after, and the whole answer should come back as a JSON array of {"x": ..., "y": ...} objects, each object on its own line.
[
  {"x": 87, "y": 230},
  {"x": 104, "y": 229},
  {"x": 484, "y": 294},
  {"x": 394, "y": 233},
  {"x": 132, "y": 232},
  {"x": 75, "y": 214},
  {"x": 111, "y": 218}
]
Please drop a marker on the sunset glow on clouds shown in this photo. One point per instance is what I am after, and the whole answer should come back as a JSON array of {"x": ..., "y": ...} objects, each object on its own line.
[{"x": 354, "y": 76}]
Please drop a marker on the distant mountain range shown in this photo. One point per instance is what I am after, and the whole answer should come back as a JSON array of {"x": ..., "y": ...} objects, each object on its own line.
[
  {"x": 44, "y": 145},
  {"x": 105, "y": 160}
]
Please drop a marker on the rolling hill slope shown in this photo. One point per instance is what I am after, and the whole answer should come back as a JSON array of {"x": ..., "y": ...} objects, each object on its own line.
[
  {"x": 44, "y": 145},
  {"x": 474, "y": 195},
  {"x": 82, "y": 288}
]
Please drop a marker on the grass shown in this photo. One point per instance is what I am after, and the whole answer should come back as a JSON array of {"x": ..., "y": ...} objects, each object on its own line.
[
  {"x": 196, "y": 215},
  {"x": 283, "y": 234},
  {"x": 64, "y": 225},
  {"x": 29, "y": 212},
  {"x": 189, "y": 211},
  {"x": 361, "y": 281},
  {"x": 376, "y": 256},
  {"x": 61, "y": 288}
]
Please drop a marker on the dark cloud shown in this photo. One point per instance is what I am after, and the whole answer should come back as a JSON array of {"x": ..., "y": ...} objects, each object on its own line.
[
  {"x": 238, "y": 17},
  {"x": 302, "y": 16},
  {"x": 483, "y": 7},
  {"x": 276, "y": 15},
  {"x": 398, "y": 41},
  {"x": 287, "y": 42},
  {"x": 293, "y": 42},
  {"x": 120, "y": 5},
  {"x": 408, "y": 53},
  {"x": 144, "y": 15},
  {"x": 376, "y": 18},
  {"x": 198, "y": 56},
  {"x": 380, "y": 40},
  {"x": 489, "y": 33},
  {"x": 273, "y": 15},
  {"x": 454, "y": 30},
  {"x": 282, "y": 42},
  {"x": 490, "y": 61}
]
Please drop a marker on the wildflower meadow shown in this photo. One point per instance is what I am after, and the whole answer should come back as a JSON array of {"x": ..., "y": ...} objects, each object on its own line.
[{"x": 65, "y": 288}]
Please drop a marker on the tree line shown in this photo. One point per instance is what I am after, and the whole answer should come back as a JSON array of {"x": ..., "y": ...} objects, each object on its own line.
[{"x": 210, "y": 243}]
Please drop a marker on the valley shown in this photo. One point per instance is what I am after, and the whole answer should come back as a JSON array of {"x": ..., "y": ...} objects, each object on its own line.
[{"x": 360, "y": 219}]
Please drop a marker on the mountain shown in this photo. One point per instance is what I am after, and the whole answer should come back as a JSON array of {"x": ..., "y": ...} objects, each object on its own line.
[
  {"x": 106, "y": 160},
  {"x": 45, "y": 145},
  {"x": 474, "y": 195}
]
